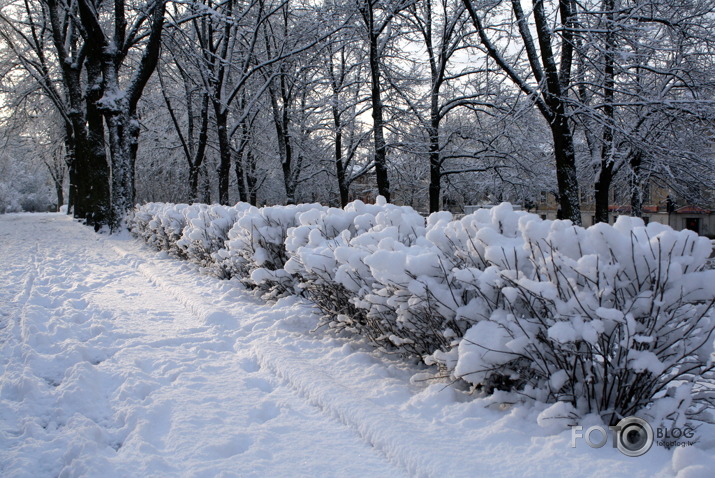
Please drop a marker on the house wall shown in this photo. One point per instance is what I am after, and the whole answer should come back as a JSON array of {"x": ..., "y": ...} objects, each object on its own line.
[{"x": 680, "y": 222}]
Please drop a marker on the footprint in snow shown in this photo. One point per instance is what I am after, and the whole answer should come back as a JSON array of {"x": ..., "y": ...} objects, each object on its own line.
[
  {"x": 266, "y": 412},
  {"x": 230, "y": 446},
  {"x": 259, "y": 384},
  {"x": 250, "y": 365}
]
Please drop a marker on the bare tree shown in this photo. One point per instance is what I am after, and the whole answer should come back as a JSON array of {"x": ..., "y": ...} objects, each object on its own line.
[
  {"x": 377, "y": 18},
  {"x": 443, "y": 30},
  {"x": 545, "y": 77},
  {"x": 108, "y": 47},
  {"x": 345, "y": 78},
  {"x": 182, "y": 70},
  {"x": 643, "y": 73}
]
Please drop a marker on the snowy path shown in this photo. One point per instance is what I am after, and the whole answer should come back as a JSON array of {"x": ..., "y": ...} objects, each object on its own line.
[{"x": 118, "y": 361}]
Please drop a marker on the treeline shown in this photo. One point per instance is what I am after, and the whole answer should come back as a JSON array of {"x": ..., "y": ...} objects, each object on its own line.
[{"x": 427, "y": 103}]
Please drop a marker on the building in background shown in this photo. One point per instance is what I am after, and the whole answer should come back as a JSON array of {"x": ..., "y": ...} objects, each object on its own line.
[{"x": 659, "y": 205}]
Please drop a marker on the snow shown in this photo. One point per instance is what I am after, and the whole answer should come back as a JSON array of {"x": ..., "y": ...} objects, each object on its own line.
[{"x": 116, "y": 360}]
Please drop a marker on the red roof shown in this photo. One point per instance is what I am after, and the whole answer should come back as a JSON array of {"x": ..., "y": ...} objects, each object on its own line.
[
  {"x": 619, "y": 209},
  {"x": 691, "y": 210}
]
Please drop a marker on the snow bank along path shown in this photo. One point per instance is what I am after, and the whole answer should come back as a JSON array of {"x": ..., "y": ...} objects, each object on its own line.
[{"x": 118, "y": 361}]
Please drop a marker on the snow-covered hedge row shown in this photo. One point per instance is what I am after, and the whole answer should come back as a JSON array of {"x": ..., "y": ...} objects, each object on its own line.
[
  {"x": 611, "y": 319},
  {"x": 206, "y": 231},
  {"x": 161, "y": 225},
  {"x": 351, "y": 262},
  {"x": 255, "y": 248},
  {"x": 232, "y": 241}
]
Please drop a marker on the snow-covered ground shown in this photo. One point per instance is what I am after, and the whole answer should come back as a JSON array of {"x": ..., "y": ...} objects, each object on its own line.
[{"x": 118, "y": 361}]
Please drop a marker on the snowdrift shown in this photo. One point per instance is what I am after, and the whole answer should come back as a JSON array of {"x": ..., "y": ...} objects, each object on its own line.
[{"x": 613, "y": 320}]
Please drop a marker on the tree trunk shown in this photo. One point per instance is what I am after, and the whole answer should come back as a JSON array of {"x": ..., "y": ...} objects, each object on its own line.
[
  {"x": 224, "y": 167},
  {"x": 117, "y": 120},
  {"x": 603, "y": 187},
  {"x": 70, "y": 155},
  {"x": 93, "y": 198},
  {"x": 343, "y": 186},
  {"x": 115, "y": 112},
  {"x": 381, "y": 176},
  {"x": 605, "y": 178},
  {"x": 251, "y": 179},
  {"x": 57, "y": 172},
  {"x": 242, "y": 154},
  {"x": 435, "y": 163},
  {"x": 288, "y": 179},
  {"x": 205, "y": 185},
  {"x": 281, "y": 122},
  {"x": 635, "y": 162},
  {"x": 566, "y": 169},
  {"x": 194, "y": 183},
  {"x": 59, "y": 190},
  {"x": 240, "y": 179},
  {"x": 200, "y": 153}
]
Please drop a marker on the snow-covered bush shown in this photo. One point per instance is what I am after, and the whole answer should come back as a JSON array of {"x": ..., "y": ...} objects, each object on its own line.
[
  {"x": 394, "y": 281},
  {"x": 255, "y": 248},
  {"x": 9, "y": 199},
  {"x": 611, "y": 319},
  {"x": 370, "y": 269},
  {"x": 311, "y": 247},
  {"x": 487, "y": 237},
  {"x": 138, "y": 219},
  {"x": 24, "y": 185},
  {"x": 161, "y": 225},
  {"x": 206, "y": 232}
]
